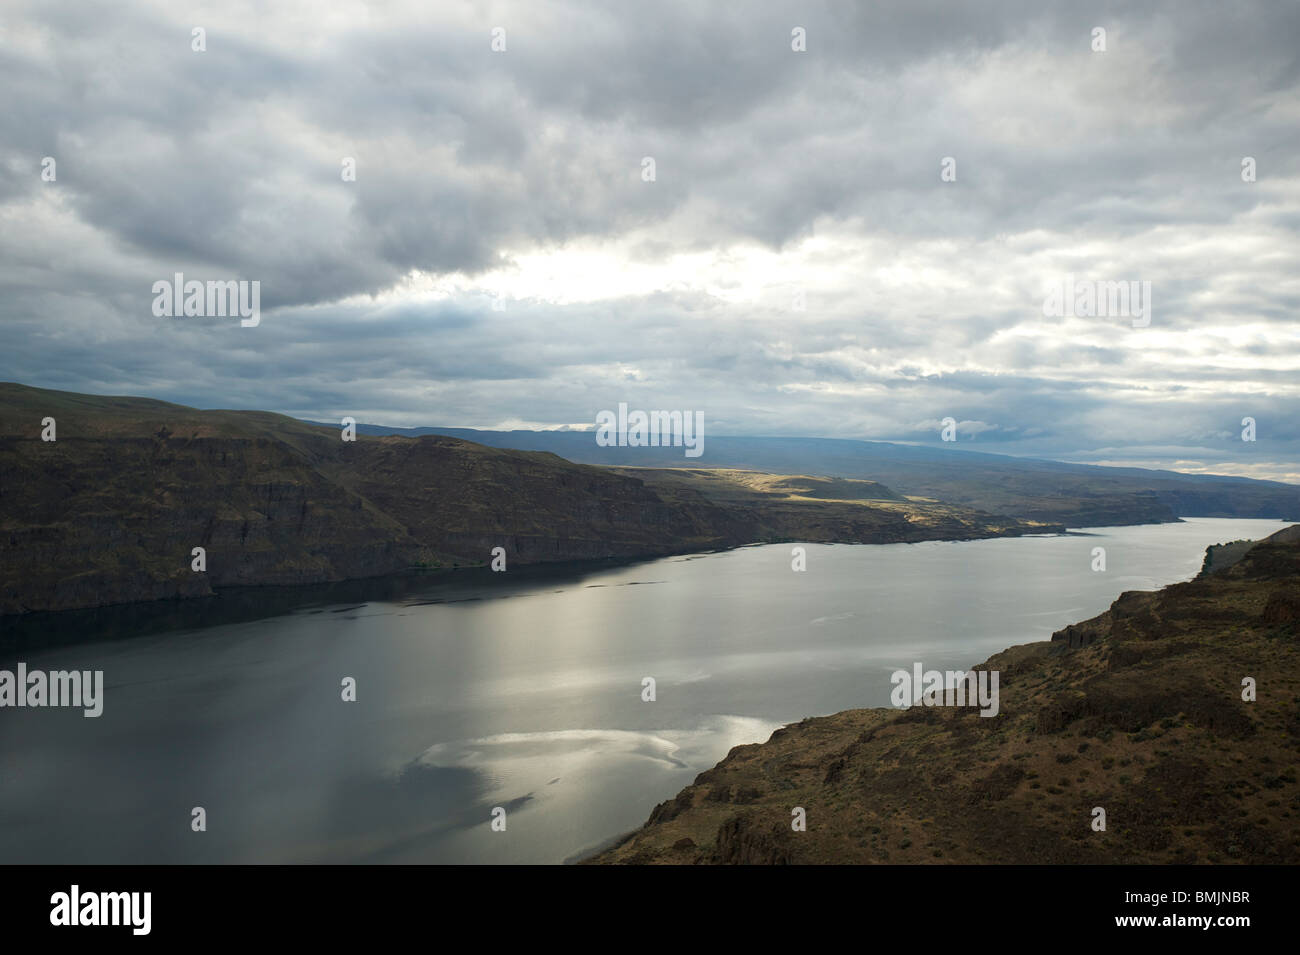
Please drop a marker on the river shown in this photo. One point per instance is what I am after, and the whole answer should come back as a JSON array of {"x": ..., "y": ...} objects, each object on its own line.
[{"x": 521, "y": 690}]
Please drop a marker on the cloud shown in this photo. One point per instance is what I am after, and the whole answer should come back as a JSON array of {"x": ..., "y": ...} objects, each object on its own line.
[{"x": 797, "y": 266}]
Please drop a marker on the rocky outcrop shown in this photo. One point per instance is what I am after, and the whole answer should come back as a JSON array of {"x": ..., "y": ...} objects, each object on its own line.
[{"x": 1219, "y": 557}]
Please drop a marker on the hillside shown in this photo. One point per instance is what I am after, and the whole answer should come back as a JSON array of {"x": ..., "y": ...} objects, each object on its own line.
[
  {"x": 1138, "y": 711},
  {"x": 784, "y": 507},
  {"x": 1076, "y": 495},
  {"x": 110, "y": 511}
]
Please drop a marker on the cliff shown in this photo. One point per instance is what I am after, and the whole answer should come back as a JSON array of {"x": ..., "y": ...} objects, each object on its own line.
[{"x": 111, "y": 510}]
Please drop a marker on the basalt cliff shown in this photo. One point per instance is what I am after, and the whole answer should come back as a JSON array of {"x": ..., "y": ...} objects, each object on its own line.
[{"x": 111, "y": 509}]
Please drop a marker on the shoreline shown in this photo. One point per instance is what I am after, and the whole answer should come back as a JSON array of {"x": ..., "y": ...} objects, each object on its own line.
[{"x": 582, "y": 564}]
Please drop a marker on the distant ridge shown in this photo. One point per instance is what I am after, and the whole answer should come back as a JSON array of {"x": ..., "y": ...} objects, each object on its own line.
[{"x": 1077, "y": 495}]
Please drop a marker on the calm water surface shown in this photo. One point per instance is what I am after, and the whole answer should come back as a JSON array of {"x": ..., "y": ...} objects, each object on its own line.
[{"x": 520, "y": 690}]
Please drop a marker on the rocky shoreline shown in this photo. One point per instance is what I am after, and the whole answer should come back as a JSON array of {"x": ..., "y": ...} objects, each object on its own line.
[{"x": 1140, "y": 711}]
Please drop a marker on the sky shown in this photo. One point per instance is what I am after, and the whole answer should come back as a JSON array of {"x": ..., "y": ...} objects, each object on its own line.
[{"x": 851, "y": 218}]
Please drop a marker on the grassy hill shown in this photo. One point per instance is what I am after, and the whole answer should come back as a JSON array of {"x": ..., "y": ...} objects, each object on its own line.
[{"x": 1138, "y": 711}]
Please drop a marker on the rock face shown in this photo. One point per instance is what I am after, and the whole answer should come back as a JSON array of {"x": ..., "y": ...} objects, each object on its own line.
[
  {"x": 96, "y": 520},
  {"x": 111, "y": 511},
  {"x": 752, "y": 839},
  {"x": 1139, "y": 711}
]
